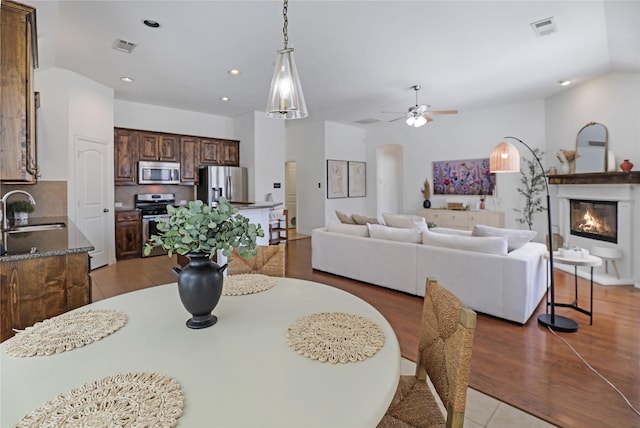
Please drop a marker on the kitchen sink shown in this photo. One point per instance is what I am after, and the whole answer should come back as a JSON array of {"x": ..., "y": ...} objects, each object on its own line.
[{"x": 36, "y": 227}]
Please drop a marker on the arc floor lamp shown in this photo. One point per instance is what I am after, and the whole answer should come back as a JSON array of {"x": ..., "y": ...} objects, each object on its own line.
[{"x": 506, "y": 158}]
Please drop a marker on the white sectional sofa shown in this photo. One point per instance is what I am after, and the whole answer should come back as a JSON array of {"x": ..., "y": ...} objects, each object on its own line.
[{"x": 478, "y": 269}]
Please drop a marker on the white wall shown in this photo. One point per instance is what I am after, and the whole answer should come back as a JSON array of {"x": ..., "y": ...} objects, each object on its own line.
[
  {"x": 613, "y": 100},
  {"x": 308, "y": 138},
  {"x": 269, "y": 150},
  {"x": 149, "y": 117},
  {"x": 73, "y": 106},
  {"x": 344, "y": 142}
]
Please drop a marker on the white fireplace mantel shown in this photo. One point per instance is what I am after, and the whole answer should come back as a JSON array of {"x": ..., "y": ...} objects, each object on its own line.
[{"x": 628, "y": 198}]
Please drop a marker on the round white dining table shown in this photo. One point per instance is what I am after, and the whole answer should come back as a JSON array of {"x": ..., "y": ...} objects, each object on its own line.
[{"x": 238, "y": 373}]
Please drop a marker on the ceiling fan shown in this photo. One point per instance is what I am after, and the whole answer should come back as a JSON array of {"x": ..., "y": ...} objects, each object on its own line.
[{"x": 419, "y": 114}]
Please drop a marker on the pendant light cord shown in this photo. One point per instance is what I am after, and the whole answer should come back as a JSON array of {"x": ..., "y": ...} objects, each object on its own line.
[{"x": 286, "y": 23}]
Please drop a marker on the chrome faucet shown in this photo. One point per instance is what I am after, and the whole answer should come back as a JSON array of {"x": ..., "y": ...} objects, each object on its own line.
[{"x": 5, "y": 219}]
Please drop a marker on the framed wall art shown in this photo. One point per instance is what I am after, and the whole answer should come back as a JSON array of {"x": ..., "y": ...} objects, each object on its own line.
[
  {"x": 337, "y": 179},
  {"x": 463, "y": 177},
  {"x": 357, "y": 179}
]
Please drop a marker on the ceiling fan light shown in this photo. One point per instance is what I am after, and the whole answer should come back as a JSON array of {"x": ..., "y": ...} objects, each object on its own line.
[
  {"x": 420, "y": 120},
  {"x": 411, "y": 120}
]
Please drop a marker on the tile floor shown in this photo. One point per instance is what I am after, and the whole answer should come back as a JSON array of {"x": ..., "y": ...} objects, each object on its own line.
[{"x": 485, "y": 411}]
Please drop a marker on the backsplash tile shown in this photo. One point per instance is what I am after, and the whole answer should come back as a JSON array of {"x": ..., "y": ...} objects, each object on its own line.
[
  {"x": 126, "y": 194},
  {"x": 50, "y": 196}
]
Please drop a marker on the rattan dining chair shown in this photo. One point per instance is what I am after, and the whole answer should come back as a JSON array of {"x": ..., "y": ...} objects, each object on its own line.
[
  {"x": 444, "y": 354},
  {"x": 270, "y": 261}
]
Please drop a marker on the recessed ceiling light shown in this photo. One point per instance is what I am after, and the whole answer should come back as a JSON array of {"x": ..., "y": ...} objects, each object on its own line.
[
  {"x": 151, "y": 23},
  {"x": 224, "y": 98},
  {"x": 564, "y": 82},
  {"x": 127, "y": 79},
  {"x": 234, "y": 72}
]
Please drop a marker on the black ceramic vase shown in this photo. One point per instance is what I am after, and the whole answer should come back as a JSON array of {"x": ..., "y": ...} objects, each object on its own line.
[
  {"x": 426, "y": 203},
  {"x": 200, "y": 288}
]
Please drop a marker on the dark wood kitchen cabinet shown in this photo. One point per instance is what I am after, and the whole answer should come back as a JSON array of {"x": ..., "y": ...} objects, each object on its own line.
[
  {"x": 189, "y": 159},
  {"x": 128, "y": 231},
  {"x": 19, "y": 47},
  {"x": 36, "y": 289},
  {"x": 158, "y": 147},
  {"x": 125, "y": 150},
  {"x": 219, "y": 152}
]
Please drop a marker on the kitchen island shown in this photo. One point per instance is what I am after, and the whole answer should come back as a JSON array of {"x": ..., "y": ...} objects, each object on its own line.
[
  {"x": 44, "y": 271},
  {"x": 258, "y": 213}
]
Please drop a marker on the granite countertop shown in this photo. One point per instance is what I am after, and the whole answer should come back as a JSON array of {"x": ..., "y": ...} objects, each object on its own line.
[
  {"x": 255, "y": 205},
  {"x": 44, "y": 243}
]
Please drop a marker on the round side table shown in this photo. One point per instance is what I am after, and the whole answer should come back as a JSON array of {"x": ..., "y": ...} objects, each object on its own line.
[{"x": 591, "y": 261}]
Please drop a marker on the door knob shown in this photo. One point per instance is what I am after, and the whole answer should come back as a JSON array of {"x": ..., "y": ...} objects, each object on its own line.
[{"x": 106, "y": 210}]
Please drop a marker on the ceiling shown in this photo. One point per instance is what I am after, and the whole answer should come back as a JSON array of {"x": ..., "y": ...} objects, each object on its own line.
[{"x": 355, "y": 58}]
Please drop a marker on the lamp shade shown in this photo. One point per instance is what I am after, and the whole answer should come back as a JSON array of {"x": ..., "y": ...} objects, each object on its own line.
[
  {"x": 286, "y": 100},
  {"x": 504, "y": 158}
]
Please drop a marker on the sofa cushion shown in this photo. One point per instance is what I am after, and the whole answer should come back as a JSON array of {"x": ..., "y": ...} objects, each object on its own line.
[
  {"x": 345, "y": 218},
  {"x": 448, "y": 231},
  {"x": 516, "y": 238},
  {"x": 404, "y": 221},
  {"x": 363, "y": 219},
  {"x": 348, "y": 229},
  {"x": 489, "y": 244},
  {"x": 379, "y": 231}
]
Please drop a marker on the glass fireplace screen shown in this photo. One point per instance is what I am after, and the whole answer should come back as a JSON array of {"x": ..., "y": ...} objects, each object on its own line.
[{"x": 594, "y": 219}]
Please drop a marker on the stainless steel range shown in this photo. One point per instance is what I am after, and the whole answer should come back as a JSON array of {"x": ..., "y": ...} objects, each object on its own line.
[{"x": 154, "y": 209}]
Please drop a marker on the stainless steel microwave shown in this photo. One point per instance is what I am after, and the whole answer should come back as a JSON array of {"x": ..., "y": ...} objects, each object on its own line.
[{"x": 150, "y": 172}]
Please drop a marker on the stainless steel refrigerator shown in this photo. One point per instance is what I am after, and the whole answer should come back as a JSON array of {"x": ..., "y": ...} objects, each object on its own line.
[{"x": 227, "y": 181}]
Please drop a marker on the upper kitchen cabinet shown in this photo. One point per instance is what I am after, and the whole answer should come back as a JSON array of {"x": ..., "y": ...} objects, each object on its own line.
[
  {"x": 158, "y": 147},
  {"x": 125, "y": 150},
  {"x": 189, "y": 159},
  {"x": 219, "y": 152},
  {"x": 18, "y": 59},
  {"x": 229, "y": 152}
]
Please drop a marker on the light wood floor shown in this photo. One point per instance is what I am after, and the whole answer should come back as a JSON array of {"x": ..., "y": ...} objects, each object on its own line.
[{"x": 525, "y": 366}]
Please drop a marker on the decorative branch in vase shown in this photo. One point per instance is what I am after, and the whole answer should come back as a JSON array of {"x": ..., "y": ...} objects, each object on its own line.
[
  {"x": 426, "y": 194},
  {"x": 532, "y": 183}
]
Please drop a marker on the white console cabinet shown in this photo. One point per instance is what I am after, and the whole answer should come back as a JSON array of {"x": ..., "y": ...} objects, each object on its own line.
[{"x": 455, "y": 219}]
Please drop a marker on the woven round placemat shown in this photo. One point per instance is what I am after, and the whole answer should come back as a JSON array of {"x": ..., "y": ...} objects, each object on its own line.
[
  {"x": 65, "y": 332},
  {"x": 335, "y": 337},
  {"x": 125, "y": 399},
  {"x": 246, "y": 283}
]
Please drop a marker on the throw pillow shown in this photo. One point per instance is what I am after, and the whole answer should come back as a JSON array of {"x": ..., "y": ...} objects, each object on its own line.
[
  {"x": 489, "y": 244},
  {"x": 516, "y": 238},
  {"x": 345, "y": 218},
  {"x": 348, "y": 229},
  {"x": 404, "y": 221},
  {"x": 380, "y": 231},
  {"x": 363, "y": 219}
]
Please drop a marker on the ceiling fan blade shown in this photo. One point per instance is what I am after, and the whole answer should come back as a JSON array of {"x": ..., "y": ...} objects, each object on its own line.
[
  {"x": 397, "y": 118},
  {"x": 442, "y": 112},
  {"x": 429, "y": 119},
  {"x": 394, "y": 112}
]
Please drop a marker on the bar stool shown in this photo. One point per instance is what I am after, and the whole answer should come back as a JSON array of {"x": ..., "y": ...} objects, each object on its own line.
[{"x": 606, "y": 254}]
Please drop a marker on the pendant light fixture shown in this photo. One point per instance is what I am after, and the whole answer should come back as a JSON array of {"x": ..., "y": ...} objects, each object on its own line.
[{"x": 286, "y": 100}]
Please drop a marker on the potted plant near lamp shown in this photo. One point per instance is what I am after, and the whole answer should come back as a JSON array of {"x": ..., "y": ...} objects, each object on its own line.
[{"x": 198, "y": 231}]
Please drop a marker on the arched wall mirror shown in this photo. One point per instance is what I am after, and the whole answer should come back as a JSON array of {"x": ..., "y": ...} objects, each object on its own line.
[{"x": 591, "y": 148}]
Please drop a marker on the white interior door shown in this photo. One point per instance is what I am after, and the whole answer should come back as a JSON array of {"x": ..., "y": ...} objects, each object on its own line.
[
  {"x": 291, "y": 193},
  {"x": 92, "y": 209}
]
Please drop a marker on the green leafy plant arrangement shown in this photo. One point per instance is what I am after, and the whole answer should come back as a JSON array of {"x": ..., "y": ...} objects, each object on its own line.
[
  {"x": 532, "y": 183},
  {"x": 20, "y": 206},
  {"x": 198, "y": 228}
]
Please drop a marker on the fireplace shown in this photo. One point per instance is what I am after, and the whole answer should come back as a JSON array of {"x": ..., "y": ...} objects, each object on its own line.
[{"x": 594, "y": 219}]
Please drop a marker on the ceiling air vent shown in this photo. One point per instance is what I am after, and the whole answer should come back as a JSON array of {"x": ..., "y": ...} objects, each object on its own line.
[
  {"x": 123, "y": 46},
  {"x": 368, "y": 121},
  {"x": 544, "y": 27}
]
